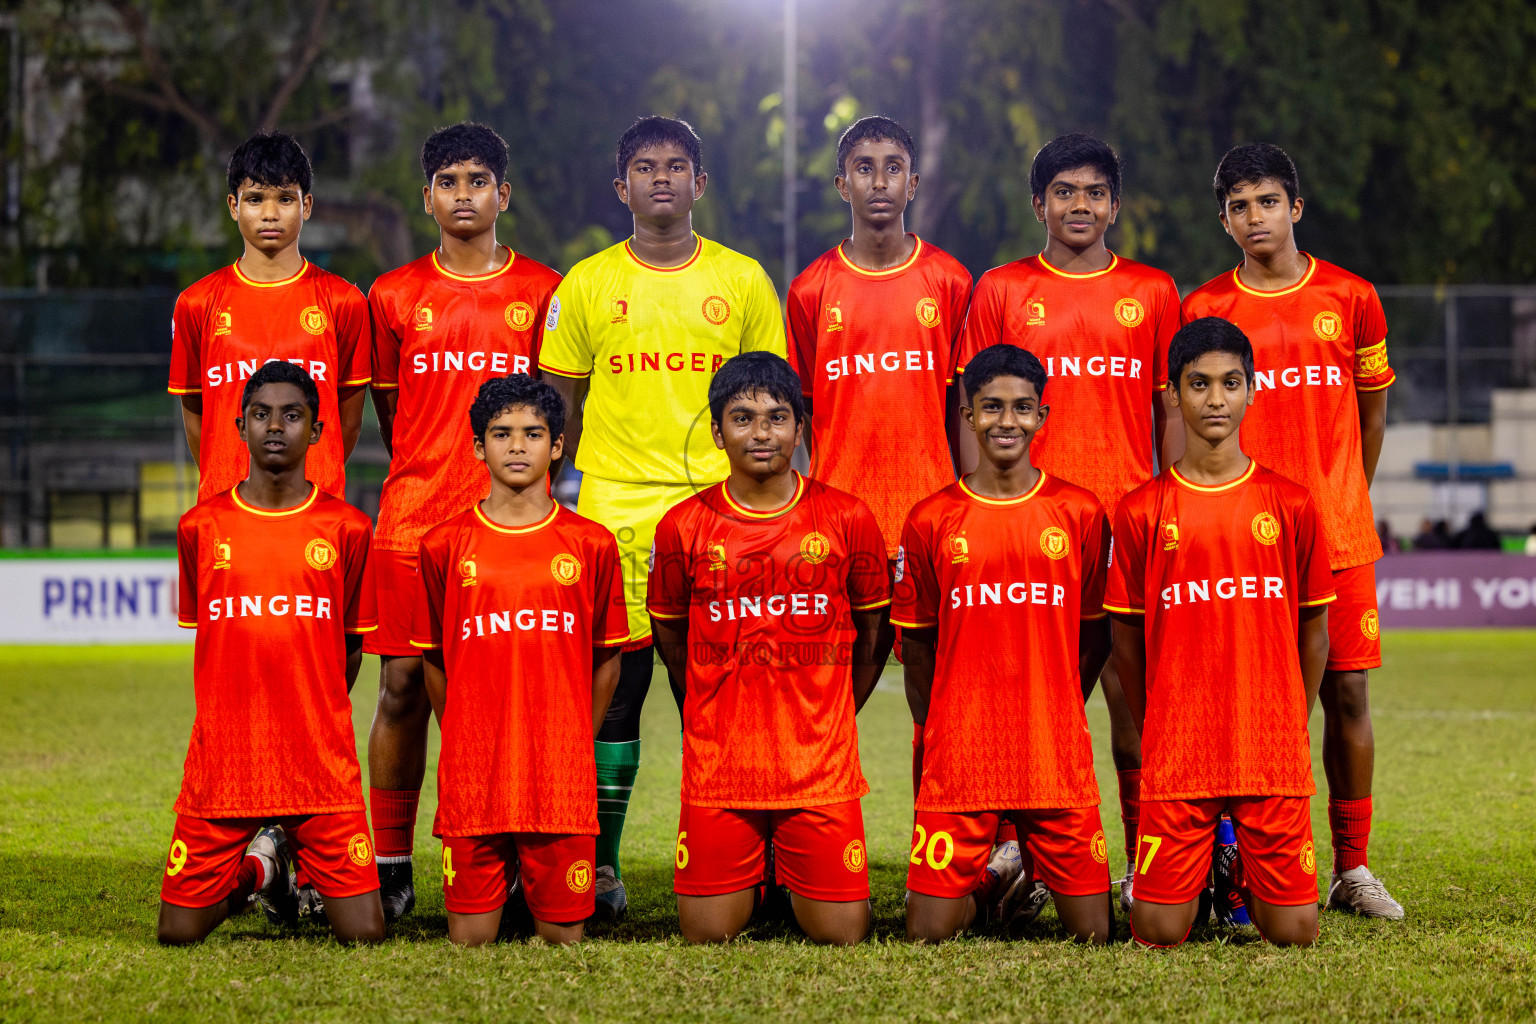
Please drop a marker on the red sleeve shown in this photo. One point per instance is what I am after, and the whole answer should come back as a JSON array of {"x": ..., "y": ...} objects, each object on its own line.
[
  {"x": 1096, "y": 546},
  {"x": 670, "y": 589},
  {"x": 186, "y": 348},
  {"x": 1125, "y": 589},
  {"x": 802, "y": 332},
  {"x": 1372, "y": 372},
  {"x": 1189, "y": 309},
  {"x": 386, "y": 342},
  {"x": 431, "y": 573},
  {"x": 362, "y": 614},
  {"x": 186, "y": 572},
  {"x": 1314, "y": 577},
  {"x": 1168, "y": 324},
  {"x": 984, "y": 322},
  {"x": 610, "y": 616},
  {"x": 917, "y": 586},
  {"x": 959, "y": 302},
  {"x": 536, "y": 342},
  {"x": 869, "y": 576},
  {"x": 354, "y": 354}
]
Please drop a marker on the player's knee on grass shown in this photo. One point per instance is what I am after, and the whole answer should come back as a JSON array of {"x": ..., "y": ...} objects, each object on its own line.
[
  {"x": 474, "y": 929},
  {"x": 356, "y": 919},
  {"x": 402, "y": 690},
  {"x": 1086, "y": 918},
  {"x": 182, "y": 926},
  {"x": 715, "y": 918},
  {"x": 1347, "y": 694},
  {"x": 832, "y": 924},
  {"x": 557, "y": 934},
  {"x": 936, "y": 918},
  {"x": 1163, "y": 924},
  {"x": 1285, "y": 926}
]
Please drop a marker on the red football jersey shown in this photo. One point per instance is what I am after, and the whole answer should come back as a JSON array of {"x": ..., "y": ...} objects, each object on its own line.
[
  {"x": 437, "y": 337},
  {"x": 869, "y": 346},
  {"x": 517, "y": 612},
  {"x": 1007, "y": 584},
  {"x": 226, "y": 326},
  {"x": 1220, "y": 572},
  {"x": 271, "y": 595},
  {"x": 769, "y": 596},
  {"x": 1103, "y": 337},
  {"x": 1315, "y": 345}
]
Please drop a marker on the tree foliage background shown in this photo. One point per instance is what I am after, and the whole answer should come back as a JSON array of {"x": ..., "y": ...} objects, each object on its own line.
[{"x": 1413, "y": 122}]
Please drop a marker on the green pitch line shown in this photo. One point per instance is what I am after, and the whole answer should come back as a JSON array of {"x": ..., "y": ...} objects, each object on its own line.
[{"x": 91, "y": 744}]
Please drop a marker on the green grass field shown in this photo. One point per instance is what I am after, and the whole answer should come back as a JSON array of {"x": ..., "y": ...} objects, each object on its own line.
[{"x": 91, "y": 744}]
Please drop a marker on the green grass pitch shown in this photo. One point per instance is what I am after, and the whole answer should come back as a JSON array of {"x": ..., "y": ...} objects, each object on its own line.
[{"x": 91, "y": 744}]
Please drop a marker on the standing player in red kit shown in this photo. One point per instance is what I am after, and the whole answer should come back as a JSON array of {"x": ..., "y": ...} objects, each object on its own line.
[
  {"x": 521, "y": 616},
  {"x": 1320, "y": 352},
  {"x": 767, "y": 594},
  {"x": 1219, "y": 591},
  {"x": 1101, "y": 324},
  {"x": 274, "y": 578},
  {"x": 468, "y": 311},
  {"x": 1016, "y": 556},
  {"x": 269, "y": 304}
]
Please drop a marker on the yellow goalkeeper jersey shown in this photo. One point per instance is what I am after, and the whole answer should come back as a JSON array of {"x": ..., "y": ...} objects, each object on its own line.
[{"x": 651, "y": 338}]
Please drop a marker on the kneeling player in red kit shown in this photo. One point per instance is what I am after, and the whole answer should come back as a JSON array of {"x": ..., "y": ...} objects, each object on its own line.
[
  {"x": 521, "y": 616},
  {"x": 1218, "y": 592},
  {"x": 1016, "y": 556},
  {"x": 274, "y": 572},
  {"x": 768, "y": 592}
]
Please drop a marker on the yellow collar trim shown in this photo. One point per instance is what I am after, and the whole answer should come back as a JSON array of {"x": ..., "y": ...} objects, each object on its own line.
[
  {"x": 1215, "y": 488},
  {"x": 303, "y": 268},
  {"x": 1004, "y": 502},
  {"x": 486, "y": 520},
  {"x": 917, "y": 250},
  {"x": 511, "y": 257},
  {"x": 736, "y": 506},
  {"x": 275, "y": 513},
  {"x": 1311, "y": 269},
  {"x": 1114, "y": 261}
]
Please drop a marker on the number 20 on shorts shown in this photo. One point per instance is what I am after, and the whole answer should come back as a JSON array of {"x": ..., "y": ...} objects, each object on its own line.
[{"x": 926, "y": 847}]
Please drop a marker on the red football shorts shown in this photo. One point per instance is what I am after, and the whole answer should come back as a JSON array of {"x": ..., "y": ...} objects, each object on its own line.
[
  {"x": 1354, "y": 629},
  {"x": 1274, "y": 841},
  {"x": 394, "y": 577},
  {"x": 950, "y": 850},
  {"x": 557, "y": 872},
  {"x": 334, "y": 850},
  {"x": 818, "y": 851}
]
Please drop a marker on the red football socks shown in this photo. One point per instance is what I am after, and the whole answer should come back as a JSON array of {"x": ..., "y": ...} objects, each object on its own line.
[
  {"x": 1350, "y": 823},
  {"x": 247, "y": 880},
  {"x": 1130, "y": 812},
  {"x": 394, "y": 821},
  {"x": 1007, "y": 832}
]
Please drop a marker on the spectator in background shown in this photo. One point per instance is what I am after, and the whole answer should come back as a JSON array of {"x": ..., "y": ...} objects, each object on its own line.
[
  {"x": 1390, "y": 545},
  {"x": 1478, "y": 536},
  {"x": 1436, "y": 537}
]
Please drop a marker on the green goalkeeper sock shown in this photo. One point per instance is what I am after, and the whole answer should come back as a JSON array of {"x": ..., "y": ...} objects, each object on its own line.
[{"x": 617, "y": 765}]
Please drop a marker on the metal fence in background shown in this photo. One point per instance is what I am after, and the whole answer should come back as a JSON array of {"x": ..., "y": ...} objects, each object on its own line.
[{"x": 95, "y": 456}]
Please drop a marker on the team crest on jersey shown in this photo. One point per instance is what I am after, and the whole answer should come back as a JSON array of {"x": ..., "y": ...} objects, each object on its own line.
[
  {"x": 551, "y": 321},
  {"x": 927, "y": 312},
  {"x": 619, "y": 311},
  {"x": 900, "y": 572},
  {"x": 1170, "y": 533},
  {"x": 469, "y": 572},
  {"x": 716, "y": 310},
  {"x": 518, "y": 315},
  {"x": 1370, "y": 625},
  {"x": 1327, "y": 324},
  {"x": 834, "y": 317},
  {"x": 319, "y": 554},
  {"x": 578, "y": 877},
  {"x": 1054, "y": 542},
  {"x": 1034, "y": 312},
  {"x": 815, "y": 548},
  {"x": 1308, "y": 858},
  {"x": 1097, "y": 847},
  {"x": 1129, "y": 312},
  {"x": 853, "y": 856},
  {"x": 359, "y": 850},
  {"x": 424, "y": 318},
  {"x": 1266, "y": 529},
  {"x": 313, "y": 320},
  {"x": 565, "y": 568},
  {"x": 959, "y": 550},
  {"x": 221, "y": 554},
  {"x": 717, "y": 558},
  {"x": 223, "y": 323}
]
